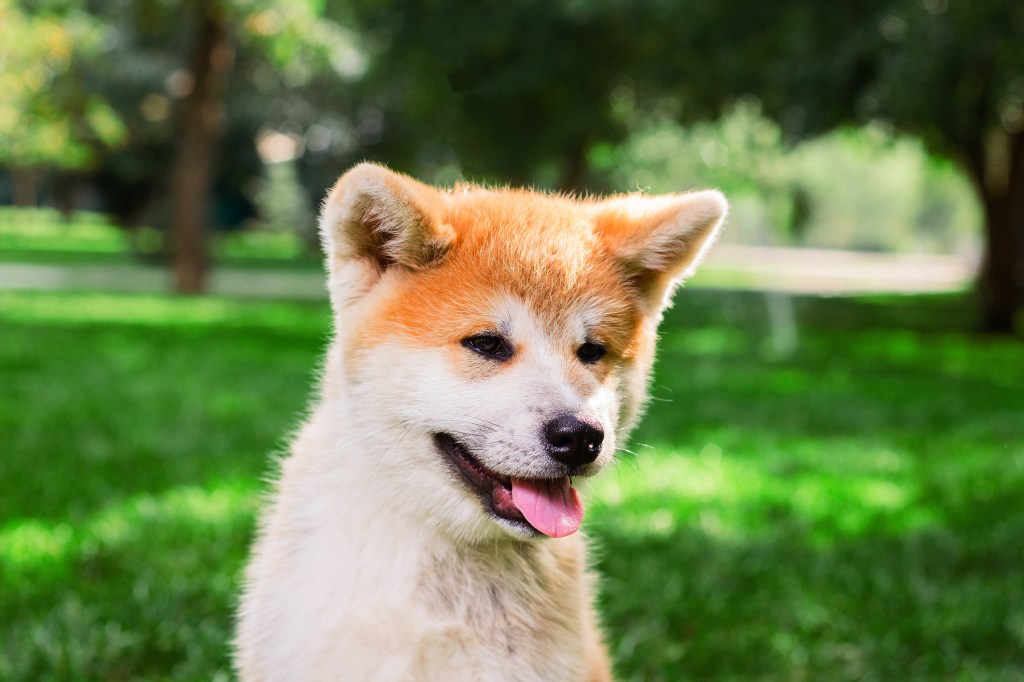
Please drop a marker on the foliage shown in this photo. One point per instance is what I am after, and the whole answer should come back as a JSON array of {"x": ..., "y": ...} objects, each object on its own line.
[
  {"x": 282, "y": 201},
  {"x": 553, "y": 93},
  {"x": 965, "y": 88},
  {"x": 286, "y": 54},
  {"x": 851, "y": 511},
  {"x": 491, "y": 85},
  {"x": 46, "y": 118},
  {"x": 950, "y": 73},
  {"x": 854, "y": 188},
  {"x": 871, "y": 191},
  {"x": 496, "y": 90},
  {"x": 742, "y": 153}
]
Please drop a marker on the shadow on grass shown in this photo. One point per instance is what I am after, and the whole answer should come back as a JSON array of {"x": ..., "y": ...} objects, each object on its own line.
[
  {"x": 940, "y": 603},
  {"x": 110, "y": 402},
  {"x": 144, "y": 589}
]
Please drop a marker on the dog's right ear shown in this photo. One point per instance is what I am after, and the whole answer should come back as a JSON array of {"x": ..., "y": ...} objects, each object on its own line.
[{"x": 384, "y": 220}]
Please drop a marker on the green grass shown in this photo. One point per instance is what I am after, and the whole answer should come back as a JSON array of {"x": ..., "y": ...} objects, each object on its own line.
[
  {"x": 30, "y": 235},
  {"x": 852, "y": 509},
  {"x": 40, "y": 235}
]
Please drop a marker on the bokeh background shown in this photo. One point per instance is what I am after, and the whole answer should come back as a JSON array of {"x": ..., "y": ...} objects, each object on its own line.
[{"x": 830, "y": 481}]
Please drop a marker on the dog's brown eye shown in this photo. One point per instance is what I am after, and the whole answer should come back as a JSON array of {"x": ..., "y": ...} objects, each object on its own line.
[
  {"x": 590, "y": 352},
  {"x": 490, "y": 345}
]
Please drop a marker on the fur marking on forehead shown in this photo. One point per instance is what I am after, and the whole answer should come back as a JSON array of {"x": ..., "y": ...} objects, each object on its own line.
[
  {"x": 585, "y": 320},
  {"x": 539, "y": 248},
  {"x": 534, "y": 249}
]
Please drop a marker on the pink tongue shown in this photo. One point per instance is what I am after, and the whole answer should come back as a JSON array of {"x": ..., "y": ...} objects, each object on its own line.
[{"x": 551, "y": 506}]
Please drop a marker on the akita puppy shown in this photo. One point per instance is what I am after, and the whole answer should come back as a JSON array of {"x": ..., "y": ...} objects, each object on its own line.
[{"x": 491, "y": 350}]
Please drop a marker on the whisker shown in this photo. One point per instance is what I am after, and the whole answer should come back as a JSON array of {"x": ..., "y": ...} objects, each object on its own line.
[
  {"x": 378, "y": 434},
  {"x": 474, "y": 421},
  {"x": 396, "y": 440},
  {"x": 628, "y": 461}
]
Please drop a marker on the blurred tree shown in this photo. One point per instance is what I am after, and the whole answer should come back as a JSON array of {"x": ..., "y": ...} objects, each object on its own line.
[
  {"x": 953, "y": 73},
  {"x": 46, "y": 118},
  {"x": 526, "y": 90},
  {"x": 741, "y": 153},
  {"x": 950, "y": 73},
  {"x": 516, "y": 91},
  {"x": 201, "y": 123},
  {"x": 281, "y": 45},
  {"x": 194, "y": 100}
]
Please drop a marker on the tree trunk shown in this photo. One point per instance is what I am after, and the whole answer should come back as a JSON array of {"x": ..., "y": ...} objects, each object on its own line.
[
  {"x": 202, "y": 117},
  {"x": 25, "y": 190},
  {"x": 575, "y": 168},
  {"x": 1001, "y": 280}
]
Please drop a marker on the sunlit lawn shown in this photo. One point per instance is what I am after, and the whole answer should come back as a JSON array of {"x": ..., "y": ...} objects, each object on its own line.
[
  {"x": 851, "y": 510},
  {"x": 44, "y": 236}
]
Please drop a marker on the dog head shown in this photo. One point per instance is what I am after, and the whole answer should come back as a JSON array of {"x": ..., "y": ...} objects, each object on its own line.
[{"x": 492, "y": 345}]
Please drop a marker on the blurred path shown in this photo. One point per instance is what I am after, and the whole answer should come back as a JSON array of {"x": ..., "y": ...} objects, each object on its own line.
[
  {"x": 256, "y": 283},
  {"x": 810, "y": 271},
  {"x": 805, "y": 271}
]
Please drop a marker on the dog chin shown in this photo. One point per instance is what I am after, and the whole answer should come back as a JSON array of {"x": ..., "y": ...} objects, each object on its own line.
[{"x": 523, "y": 530}]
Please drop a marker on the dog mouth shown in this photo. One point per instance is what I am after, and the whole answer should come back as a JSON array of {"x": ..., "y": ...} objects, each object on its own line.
[{"x": 533, "y": 505}]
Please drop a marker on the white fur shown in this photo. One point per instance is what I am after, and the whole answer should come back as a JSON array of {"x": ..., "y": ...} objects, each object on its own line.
[{"x": 375, "y": 563}]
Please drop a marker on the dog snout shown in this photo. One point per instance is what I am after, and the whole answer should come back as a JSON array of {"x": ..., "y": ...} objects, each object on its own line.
[{"x": 573, "y": 441}]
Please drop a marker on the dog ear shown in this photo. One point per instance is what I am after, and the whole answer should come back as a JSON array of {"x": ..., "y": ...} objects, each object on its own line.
[
  {"x": 660, "y": 240},
  {"x": 385, "y": 219}
]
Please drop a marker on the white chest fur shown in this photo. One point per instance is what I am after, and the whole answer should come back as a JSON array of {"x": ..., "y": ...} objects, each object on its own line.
[{"x": 344, "y": 587}]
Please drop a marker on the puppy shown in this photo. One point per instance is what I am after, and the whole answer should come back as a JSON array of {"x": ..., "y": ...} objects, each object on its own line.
[{"x": 491, "y": 350}]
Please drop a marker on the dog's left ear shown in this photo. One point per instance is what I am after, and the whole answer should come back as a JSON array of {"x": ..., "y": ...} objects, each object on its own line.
[{"x": 660, "y": 240}]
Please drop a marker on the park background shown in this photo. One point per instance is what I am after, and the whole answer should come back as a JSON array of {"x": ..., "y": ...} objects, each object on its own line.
[{"x": 830, "y": 480}]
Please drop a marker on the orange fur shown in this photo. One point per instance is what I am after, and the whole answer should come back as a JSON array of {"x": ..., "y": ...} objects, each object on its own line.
[{"x": 554, "y": 261}]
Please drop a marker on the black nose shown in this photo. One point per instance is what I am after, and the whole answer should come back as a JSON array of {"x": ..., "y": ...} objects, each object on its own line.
[{"x": 572, "y": 440}]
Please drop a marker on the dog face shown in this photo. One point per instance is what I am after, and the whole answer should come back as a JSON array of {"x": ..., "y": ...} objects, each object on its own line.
[{"x": 498, "y": 342}]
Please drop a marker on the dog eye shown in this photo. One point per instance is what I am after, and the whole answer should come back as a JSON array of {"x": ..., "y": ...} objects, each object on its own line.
[
  {"x": 489, "y": 345},
  {"x": 590, "y": 352}
]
